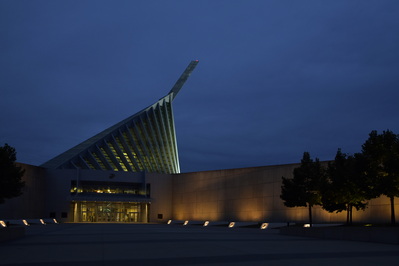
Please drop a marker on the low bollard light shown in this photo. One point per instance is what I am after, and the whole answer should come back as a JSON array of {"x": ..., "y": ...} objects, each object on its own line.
[
  {"x": 25, "y": 222},
  {"x": 185, "y": 222},
  {"x": 3, "y": 224},
  {"x": 264, "y": 226},
  {"x": 231, "y": 224},
  {"x": 206, "y": 223},
  {"x": 169, "y": 222}
]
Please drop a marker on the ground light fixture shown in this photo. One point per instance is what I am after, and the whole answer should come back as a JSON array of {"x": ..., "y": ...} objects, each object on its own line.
[
  {"x": 25, "y": 222},
  {"x": 185, "y": 223},
  {"x": 264, "y": 225},
  {"x": 55, "y": 221},
  {"x": 41, "y": 221},
  {"x": 306, "y": 225},
  {"x": 206, "y": 223},
  {"x": 2, "y": 223},
  {"x": 231, "y": 224}
]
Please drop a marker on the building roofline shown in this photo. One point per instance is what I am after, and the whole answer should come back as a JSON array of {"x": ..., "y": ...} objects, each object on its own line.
[{"x": 85, "y": 145}]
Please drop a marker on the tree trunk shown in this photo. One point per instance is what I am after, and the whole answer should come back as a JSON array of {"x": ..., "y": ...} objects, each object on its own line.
[
  {"x": 350, "y": 214},
  {"x": 347, "y": 214},
  {"x": 392, "y": 210},
  {"x": 310, "y": 215}
]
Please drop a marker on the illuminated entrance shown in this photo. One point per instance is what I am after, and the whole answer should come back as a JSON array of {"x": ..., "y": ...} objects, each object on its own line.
[
  {"x": 110, "y": 212},
  {"x": 110, "y": 202}
]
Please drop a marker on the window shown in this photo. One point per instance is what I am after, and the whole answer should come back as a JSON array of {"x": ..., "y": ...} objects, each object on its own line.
[{"x": 108, "y": 187}]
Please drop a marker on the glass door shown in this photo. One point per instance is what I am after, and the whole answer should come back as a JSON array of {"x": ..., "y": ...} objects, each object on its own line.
[{"x": 133, "y": 217}]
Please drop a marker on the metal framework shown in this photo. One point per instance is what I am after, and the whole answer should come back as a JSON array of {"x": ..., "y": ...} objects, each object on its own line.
[{"x": 145, "y": 141}]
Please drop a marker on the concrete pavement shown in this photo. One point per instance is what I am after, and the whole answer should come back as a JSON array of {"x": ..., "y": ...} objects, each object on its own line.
[{"x": 161, "y": 244}]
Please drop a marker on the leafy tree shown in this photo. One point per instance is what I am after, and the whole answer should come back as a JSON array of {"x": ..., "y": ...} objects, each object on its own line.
[
  {"x": 303, "y": 190},
  {"x": 381, "y": 152},
  {"x": 10, "y": 174},
  {"x": 345, "y": 187}
]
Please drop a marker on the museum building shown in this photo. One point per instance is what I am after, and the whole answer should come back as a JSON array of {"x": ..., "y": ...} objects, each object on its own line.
[{"x": 130, "y": 172}]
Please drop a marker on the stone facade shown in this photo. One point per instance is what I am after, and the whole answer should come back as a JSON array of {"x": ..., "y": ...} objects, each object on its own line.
[
  {"x": 245, "y": 194},
  {"x": 253, "y": 194}
]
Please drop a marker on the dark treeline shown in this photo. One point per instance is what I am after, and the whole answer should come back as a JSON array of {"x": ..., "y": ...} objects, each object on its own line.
[
  {"x": 349, "y": 181},
  {"x": 11, "y": 183}
]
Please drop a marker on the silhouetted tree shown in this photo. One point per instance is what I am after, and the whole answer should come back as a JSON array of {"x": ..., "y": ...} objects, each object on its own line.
[
  {"x": 304, "y": 189},
  {"x": 10, "y": 174},
  {"x": 381, "y": 152},
  {"x": 345, "y": 187}
]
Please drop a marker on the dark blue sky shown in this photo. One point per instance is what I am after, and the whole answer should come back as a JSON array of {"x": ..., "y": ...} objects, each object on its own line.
[{"x": 275, "y": 78}]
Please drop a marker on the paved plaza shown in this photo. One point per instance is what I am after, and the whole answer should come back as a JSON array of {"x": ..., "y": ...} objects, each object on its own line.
[{"x": 161, "y": 244}]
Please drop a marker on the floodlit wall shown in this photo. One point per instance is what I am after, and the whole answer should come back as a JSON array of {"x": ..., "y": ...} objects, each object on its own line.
[
  {"x": 253, "y": 194},
  {"x": 246, "y": 194}
]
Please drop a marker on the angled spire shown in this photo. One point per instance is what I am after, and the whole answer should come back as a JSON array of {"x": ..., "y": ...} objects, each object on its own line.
[
  {"x": 180, "y": 82},
  {"x": 145, "y": 141}
]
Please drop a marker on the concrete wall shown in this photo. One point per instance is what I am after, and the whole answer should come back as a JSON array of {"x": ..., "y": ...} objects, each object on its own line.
[
  {"x": 253, "y": 194},
  {"x": 31, "y": 203},
  {"x": 378, "y": 211},
  {"x": 58, "y": 193},
  {"x": 246, "y": 194},
  {"x": 161, "y": 196}
]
